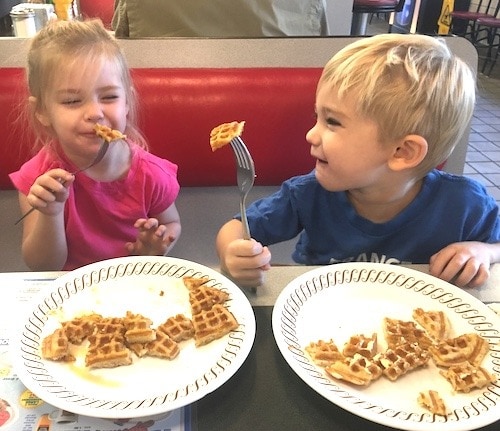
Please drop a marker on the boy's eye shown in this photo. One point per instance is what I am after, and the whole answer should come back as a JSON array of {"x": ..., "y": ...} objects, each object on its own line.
[{"x": 332, "y": 121}]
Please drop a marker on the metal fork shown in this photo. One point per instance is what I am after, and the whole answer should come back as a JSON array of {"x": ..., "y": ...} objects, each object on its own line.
[
  {"x": 245, "y": 173},
  {"x": 98, "y": 158}
]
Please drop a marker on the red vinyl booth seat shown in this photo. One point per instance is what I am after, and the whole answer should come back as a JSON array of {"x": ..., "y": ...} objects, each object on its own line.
[{"x": 178, "y": 109}]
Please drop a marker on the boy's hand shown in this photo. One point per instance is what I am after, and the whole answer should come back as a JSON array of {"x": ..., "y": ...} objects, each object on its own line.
[
  {"x": 152, "y": 239},
  {"x": 465, "y": 264},
  {"x": 245, "y": 261},
  {"x": 50, "y": 190}
]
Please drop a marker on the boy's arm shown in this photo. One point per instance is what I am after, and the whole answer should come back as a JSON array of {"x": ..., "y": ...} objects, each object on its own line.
[
  {"x": 243, "y": 260},
  {"x": 466, "y": 264}
]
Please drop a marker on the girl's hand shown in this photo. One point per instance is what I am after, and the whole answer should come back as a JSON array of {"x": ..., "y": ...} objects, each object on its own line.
[
  {"x": 246, "y": 261},
  {"x": 50, "y": 191},
  {"x": 153, "y": 238},
  {"x": 465, "y": 264}
]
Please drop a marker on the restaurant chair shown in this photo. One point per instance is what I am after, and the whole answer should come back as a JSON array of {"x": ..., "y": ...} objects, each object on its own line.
[
  {"x": 362, "y": 10},
  {"x": 492, "y": 38},
  {"x": 103, "y": 9},
  {"x": 467, "y": 20}
]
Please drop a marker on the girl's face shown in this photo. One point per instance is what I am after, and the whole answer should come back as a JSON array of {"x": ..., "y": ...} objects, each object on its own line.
[
  {"x": 80, "y": 95},
  {"x": 346, "y": 146}
]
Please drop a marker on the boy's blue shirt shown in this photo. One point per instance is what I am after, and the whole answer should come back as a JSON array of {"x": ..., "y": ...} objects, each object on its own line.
[{"x": 448, "y": 209}]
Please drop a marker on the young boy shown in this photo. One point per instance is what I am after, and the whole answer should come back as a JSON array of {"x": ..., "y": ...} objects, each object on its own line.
[{"x": 389, "y": 109}]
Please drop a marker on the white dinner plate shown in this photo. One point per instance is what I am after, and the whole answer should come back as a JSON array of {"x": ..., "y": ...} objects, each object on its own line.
[
  {"x": 337, "y": 301},
  {"x": 153, "y": 287}
]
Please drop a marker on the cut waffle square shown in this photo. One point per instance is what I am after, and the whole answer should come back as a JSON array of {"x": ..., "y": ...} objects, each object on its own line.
[
  {"x": 56, "y": 347},
  {"x": 137, "y": 328},
  {"x": 204, "y": 298},
  {"x": 464, "y": 377},
  {"x": 163, "y": 347},
  {"x": 213, "y": 324},
  {"x": 435, "y": 323},
  {"x": 357, "y": 370},
  {"x": 178, "y": 328},
  {"x": 467, "y": 347},
  {"x": 361, "y": 344},
  {"x": 432, "y": 402},
  {"x": 111, "y": 354},
  {"x": 192, "y": 283},
  {"x": 107, "y": 133},
  {"x": 398, "y": 332},
  {"x": 324, "y": 353},
  {"x": 397, "y": 361},
  {"x": 80, "y": 328},
  {"x": 222, "y": 134}
]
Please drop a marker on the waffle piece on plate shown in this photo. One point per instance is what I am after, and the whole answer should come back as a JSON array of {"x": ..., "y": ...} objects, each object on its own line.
[
  {"x": 464, "y": 377},
  {"x": 163, "y": 346},
  {"x": 138, "y": 328},
  {"x": 178, "y": 328},
  {"x": 107, "y": 351},
  {"x": 139, "y": 349},
  {"x": 435, "y": 323},
  {"x": 324, "y": 353},
  {"x": 194, "y": 282},
  {"x": 361, "y": 344},
  {"x": 56, "y": 347},
  {"x": 110, "y": 325},
  {"x": 213, "y": 324},
  {"x": 222, "y": 134},
  {"x": 398, "y": 332},
  {"x": 204, "y": 298},
  {"x": 107, "y": 133},
  {"x": 397, "y": 361},
  {"x": 357, "y": 370},
  {"x": 433, "y": 402},
  {"x": 467, "y": 347},
  {"x": 79, "y": 328}
]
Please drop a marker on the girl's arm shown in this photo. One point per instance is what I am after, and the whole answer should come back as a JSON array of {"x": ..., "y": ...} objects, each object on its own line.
[{"x": 44, "y": 246}]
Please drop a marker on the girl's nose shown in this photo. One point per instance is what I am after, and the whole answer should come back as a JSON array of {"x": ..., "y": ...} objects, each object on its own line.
[{"x": 94, "y": 112}]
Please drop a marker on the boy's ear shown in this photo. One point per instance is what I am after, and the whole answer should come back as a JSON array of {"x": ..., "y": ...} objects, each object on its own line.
[
  {"x": 408, "y": 153},
  {"x": 39, "y": 115}
]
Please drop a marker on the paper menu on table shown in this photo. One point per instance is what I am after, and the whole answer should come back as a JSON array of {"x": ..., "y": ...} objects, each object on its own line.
[{"x": 22, "y": 410}]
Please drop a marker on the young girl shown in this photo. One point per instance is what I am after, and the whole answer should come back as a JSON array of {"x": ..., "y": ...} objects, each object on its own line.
[
  {"x": 125, "y": 204},
  {"x": 389, "y": 109}
]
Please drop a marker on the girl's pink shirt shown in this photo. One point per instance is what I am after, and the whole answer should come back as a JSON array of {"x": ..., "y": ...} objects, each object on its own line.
[{"x": 100, "y": 216}]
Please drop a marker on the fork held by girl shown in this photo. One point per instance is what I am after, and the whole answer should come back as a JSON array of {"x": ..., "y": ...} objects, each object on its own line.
[{"x": 125, "y": 204}]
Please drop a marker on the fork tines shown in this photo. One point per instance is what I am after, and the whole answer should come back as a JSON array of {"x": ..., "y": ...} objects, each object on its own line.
[{"x": 243, "y": 157}]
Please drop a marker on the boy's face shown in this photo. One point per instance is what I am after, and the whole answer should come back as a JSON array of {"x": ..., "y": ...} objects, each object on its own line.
[{"x": 346, "y": 145}]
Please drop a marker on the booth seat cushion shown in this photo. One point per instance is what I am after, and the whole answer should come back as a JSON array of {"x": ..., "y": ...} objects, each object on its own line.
[{"x": 180, "y": 106}]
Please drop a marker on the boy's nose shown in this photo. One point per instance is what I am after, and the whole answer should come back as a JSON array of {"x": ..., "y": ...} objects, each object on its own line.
[{"x": 312, "y": 136}]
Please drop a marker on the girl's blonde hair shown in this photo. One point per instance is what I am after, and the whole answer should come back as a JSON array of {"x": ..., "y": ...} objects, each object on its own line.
[
  {"x": 407, "y": 84},
  {"x": 61, "y": 42}
]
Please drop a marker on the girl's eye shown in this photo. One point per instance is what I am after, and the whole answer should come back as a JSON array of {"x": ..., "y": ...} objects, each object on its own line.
[
  {"x": 110, "y": 97},
  {"x": 70, "y": 101}
]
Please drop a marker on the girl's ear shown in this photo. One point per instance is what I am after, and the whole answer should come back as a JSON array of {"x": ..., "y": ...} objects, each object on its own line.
[
  {"x": 39, "y": 114},
  {"x": 408, "y": 153}
]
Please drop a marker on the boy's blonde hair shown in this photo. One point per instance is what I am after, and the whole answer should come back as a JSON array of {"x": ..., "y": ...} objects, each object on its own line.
[
  {"x": 62, "y": 42},
  {"x": 407, "y": 84}
]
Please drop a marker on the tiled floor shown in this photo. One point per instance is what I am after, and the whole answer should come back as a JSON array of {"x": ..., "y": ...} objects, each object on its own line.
[{"x": 483, "y": 156}]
